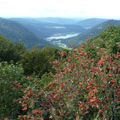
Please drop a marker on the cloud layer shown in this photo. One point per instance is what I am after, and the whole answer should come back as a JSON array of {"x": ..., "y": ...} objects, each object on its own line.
[{"x": 60, "y": 8}]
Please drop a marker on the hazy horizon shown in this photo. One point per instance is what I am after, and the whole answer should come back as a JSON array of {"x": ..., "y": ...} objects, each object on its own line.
[{"x": 60, "y": 9}]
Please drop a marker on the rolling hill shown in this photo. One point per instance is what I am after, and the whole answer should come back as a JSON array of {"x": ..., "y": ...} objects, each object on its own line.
[
  {"x": 45, "y": 27},
  {"x": 91, "y": 22},
  {"x": 35, "y": 29},
  {"x": 18, "y": 33},
  {"x": 54, "y": 20},
  {"x": 94, "y": 31}
]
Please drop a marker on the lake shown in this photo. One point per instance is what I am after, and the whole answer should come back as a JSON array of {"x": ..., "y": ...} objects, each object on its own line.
[
  {"x": 61, "y": 36},
  {"x": 57, "y": 39}
]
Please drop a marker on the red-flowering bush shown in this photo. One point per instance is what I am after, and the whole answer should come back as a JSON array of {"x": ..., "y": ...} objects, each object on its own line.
[
  {"x": 82, "y": 87},
  {"x": 86, "y": 86}
]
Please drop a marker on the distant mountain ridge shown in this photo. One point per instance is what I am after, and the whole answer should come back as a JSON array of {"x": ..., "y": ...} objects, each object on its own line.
[
  {"x": 94, "y": 31},
  {"x": 52, "y": 20},
  {"x": 34, "y": 31},
  {"x": 45, "y": 27},
  {"x": 18, "y": 33},
  {"x": 91, "y": 22}
]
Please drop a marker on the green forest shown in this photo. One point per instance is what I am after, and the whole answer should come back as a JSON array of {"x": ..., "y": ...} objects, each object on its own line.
[{"x": 59, "y": 84}]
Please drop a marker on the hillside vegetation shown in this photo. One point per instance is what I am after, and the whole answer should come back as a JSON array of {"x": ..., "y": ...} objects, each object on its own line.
[
  {"x": 81, "y": 84},
  {"x": 19, "y": 34},
  {"x": 94, "y": 31}
]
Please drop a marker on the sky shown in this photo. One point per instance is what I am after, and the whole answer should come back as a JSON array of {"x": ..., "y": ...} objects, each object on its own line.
[{"x": 60, "y": 8}]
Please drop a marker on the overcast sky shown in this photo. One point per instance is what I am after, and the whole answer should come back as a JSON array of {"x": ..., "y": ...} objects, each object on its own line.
[{"x": 60, "y": 8}]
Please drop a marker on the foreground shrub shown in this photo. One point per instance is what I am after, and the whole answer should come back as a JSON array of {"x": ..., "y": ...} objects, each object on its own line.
[
  {"x": 10, "y": 51},
  {"x": 37, "y": 61},
  {"x": 86, "y": 85},
  {"x": 83, "y": 87},
  {"x": 86, "y": 88},
  {"x": 11, "y": 78}
]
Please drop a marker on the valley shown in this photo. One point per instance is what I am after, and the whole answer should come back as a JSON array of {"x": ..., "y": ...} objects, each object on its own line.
[
  {"x": 56, "y": 32},
  {"x": 58, "y": 39}
]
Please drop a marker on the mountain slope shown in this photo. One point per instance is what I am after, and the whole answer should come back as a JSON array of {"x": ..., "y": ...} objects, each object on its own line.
[
  {"x": 109, "y": 40},
  {"x": 54, "y": 20},
  {"x": 18, "y": 33},
  {"x": 49, "y": 27},
  {"x": 46, "y": 27},
  {"x": 95, "y": 31},
  {"x": 92, "y": 22}
]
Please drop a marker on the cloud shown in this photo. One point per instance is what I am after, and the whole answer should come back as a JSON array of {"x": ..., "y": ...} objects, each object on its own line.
[{"x": 60, "y": 8}]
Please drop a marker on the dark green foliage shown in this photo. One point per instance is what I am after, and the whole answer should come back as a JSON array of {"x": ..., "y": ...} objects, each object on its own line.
[
  {"x": 36, "y": 62},
  {"x": 92, "y": 52},
  {"x": 44, "y": 80},
  {"x": 51, "y": 53},
  {"x": 109, "y": 39},
  {"x": 10, "y": 75},
  {"x": 9, "y": 51},
  {"x": 12, "y": 84}
]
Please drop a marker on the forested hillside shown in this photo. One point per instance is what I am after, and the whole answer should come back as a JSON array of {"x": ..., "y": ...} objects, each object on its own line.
[
  {"x": 19, "y": 34},
  {"x": 94, "y": 31},
  {"x": 45, "y": 27}
]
